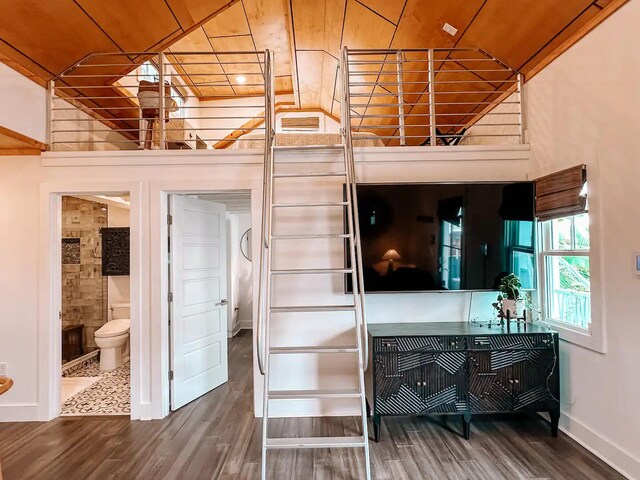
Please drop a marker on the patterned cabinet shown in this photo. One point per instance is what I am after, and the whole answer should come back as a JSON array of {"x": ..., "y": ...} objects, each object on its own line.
[{"x": 461, "y": 368}]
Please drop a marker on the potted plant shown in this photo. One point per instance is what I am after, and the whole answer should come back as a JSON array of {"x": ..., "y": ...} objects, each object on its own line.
[{"x": 509, "y": 298}]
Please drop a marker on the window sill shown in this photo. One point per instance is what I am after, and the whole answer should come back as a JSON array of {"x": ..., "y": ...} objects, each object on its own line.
[{"x": 579, "y": 336}]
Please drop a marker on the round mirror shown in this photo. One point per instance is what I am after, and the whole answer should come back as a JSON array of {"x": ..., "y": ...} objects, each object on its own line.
[{"x": 245, "y": 244}]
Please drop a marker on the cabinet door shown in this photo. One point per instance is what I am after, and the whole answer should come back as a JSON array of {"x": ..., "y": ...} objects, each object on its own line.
[
  {"x": 490, "y": 381},
  {"x": 534, "y": 374}
]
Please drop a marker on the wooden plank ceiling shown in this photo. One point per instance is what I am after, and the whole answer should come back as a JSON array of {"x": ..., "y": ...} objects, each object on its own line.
[
  {"x": 307, "y": 35},
  {"x": 47, "y": 37}
]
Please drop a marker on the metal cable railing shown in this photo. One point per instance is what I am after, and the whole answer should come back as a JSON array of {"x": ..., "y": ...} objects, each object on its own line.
[
  {"x": 433, "y": 96},
  {"x": 167, "y": 100}
]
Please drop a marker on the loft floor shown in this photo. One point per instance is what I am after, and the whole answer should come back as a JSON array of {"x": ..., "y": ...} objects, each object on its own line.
[{"x": 217, "y": 437}]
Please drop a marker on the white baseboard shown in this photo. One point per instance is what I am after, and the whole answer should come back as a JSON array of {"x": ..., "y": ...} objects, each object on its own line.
[
  {"x": 245, "y": 324},
  {"x": 19, "y": 412},
  {"x": 615, "y": 456}
]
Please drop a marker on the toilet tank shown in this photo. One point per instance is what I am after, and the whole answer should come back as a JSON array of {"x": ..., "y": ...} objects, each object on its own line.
[{"x": 120, "y": 310}]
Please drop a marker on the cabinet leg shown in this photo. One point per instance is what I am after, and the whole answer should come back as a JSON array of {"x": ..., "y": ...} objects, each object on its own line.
[
  {"x": 377, "y": 421},
  {"x": 466, "y": 425},
  {"x": 555, "y": 418}
]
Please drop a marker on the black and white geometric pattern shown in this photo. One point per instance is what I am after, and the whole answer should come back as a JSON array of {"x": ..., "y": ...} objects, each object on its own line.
[{"x": 111, "y": 395}]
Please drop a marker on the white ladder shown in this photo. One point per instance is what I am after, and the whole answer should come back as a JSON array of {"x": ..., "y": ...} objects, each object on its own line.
[{"x": 353, "y": 268}]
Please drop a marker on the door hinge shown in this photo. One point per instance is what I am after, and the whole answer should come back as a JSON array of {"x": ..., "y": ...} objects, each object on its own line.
[
  {"x": 170, "y": 296},
  {"x": 170, "y": 374},
  {"x": 169, "y": 219}
]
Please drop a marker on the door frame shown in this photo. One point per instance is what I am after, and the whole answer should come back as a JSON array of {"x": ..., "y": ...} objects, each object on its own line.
[
  {"x": 50, "y": 289},
  {"x": 160, "y": 267}
]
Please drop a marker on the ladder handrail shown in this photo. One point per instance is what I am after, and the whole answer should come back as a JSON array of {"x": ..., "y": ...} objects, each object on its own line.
[
  {"x": 357, "y": 261},
  {"x": 263, "y": 291}
]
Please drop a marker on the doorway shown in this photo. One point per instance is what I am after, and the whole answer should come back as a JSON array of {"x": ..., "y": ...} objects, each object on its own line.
[
  {"x": 94, "y": 305},
  {"x": 210, "y": 289}
]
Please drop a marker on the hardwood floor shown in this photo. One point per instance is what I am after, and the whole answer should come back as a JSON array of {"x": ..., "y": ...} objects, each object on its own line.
[{"x": 217, "y": 437}]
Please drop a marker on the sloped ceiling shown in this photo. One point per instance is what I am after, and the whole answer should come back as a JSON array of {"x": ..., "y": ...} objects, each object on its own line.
[{"x": 48, "y": 36}]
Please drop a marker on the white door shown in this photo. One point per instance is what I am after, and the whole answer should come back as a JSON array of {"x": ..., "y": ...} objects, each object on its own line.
[{"x": 198, "y": 283}]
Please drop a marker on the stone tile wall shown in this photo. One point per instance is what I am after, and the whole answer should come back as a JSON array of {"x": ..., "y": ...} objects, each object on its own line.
[{"x": 84, "y": 289}]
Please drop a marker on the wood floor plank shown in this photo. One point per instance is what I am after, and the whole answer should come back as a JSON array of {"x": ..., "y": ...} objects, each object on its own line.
[{"x": 218, "y": 437}]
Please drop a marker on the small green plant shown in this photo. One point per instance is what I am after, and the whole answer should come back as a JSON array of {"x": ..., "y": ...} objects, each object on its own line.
[{"x": 509, "y": 289}]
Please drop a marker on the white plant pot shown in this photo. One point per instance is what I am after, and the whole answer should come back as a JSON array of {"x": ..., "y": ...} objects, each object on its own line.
[{"x": 513, "y": 306}]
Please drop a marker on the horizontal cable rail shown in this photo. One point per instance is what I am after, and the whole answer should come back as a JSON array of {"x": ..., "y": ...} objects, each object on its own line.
[
  {"x": 435, "y": 96},
  {"x": 168, "y": 100}
]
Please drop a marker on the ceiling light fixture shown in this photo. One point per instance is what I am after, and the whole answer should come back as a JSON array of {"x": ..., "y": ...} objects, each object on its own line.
[{"x": 240, "y": 79}]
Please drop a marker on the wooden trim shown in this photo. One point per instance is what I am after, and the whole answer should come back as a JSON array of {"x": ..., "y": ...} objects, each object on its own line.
[
  {"x": 23, "y": 70},
  {"x": 576, "y": 37},
  {"x": 32, "y": 144}
]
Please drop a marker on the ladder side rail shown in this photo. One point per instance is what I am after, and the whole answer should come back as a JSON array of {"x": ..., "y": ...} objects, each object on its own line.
[
  {"x": 356, "y": 272},
  {"x": 356, "y": 260},
  {"x": 266, "y": 245}
]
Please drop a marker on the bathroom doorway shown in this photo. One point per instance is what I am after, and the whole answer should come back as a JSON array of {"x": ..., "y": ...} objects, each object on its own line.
[
  {"x": 211, "y": 290},
  {"x": 95, "y": 305}
]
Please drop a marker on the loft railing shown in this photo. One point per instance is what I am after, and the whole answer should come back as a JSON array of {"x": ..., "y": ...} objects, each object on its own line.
[
  {"x": 433, "y": 96},
  {"x": 166, "y": 100}
]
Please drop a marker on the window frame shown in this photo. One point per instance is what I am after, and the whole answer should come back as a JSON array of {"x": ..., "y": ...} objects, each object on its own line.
[{"x": 592, "y": 338}]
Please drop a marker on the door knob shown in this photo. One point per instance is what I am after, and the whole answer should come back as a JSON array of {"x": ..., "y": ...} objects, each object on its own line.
[{"x": 222, "y": 302}]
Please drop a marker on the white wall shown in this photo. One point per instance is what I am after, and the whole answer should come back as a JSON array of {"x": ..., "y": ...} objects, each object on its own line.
[
  {"x": 24, "y": 104},
  {"x": 239, "y": 272},
  {"x": 119, "y": 289},
  {"x": 25, "y": 313},
  {"x": 583, "y": 109}
]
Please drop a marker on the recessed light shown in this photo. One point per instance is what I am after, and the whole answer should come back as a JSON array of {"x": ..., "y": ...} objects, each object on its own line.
[{"x": 241, "y": 79}]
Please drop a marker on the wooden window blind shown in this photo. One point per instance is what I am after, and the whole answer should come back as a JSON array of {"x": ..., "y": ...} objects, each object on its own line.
[{"x": 561, "y": 194}]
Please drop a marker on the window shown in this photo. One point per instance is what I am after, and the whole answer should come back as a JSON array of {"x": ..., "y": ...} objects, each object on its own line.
[
  {"x": 566, "y": 280},
  {"x": 520, "y": 251},
  {"x": 149, "y": 72},
  {"x": 451, "y": 257}
]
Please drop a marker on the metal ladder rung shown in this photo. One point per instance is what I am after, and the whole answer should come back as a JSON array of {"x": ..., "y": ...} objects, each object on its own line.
[
  {"x": 310, "y": 174},
  {"x": 303, "y": 236},
  {"x": 316, "y": 442},
  {"x": 297, "y": 350},
  {"x": 309, "y": 147},
  {"x": 313, "y": 308},
  {"x": 310, "y": 204},
  {"x": 313, "y": 394},
  {"x": 311, "y": 271}
]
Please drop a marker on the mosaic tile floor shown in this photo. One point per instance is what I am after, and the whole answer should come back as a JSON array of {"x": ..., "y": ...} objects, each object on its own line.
[{"x": 108, "y": 396}]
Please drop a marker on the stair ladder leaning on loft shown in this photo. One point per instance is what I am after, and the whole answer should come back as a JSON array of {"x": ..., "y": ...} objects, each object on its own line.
[
  {"x": 5, "y": 384},
  {"x": 276, "y": 181}
]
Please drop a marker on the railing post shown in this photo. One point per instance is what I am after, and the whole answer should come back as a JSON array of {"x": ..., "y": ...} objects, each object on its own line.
[
  {"x": 162, "y": 109},
  {"x": 432, "y": 100},
  {"x": 51, "y": 91},
  {"x": 521, "y": 108},
  {"x": 403, "y": 140}
]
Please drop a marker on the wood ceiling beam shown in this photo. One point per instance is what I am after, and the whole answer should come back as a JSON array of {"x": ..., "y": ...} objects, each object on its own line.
[{"x": 20, "y": 144}]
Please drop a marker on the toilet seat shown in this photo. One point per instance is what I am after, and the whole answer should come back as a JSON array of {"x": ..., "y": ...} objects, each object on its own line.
[{"x": 114, "y": 328}]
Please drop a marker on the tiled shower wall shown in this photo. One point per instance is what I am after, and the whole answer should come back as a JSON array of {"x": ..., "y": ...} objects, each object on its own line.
[{"x": 84, "y": 289}]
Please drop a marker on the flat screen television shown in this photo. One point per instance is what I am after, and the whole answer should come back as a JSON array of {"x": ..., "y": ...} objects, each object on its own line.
[{"x": 445, "y": 237}]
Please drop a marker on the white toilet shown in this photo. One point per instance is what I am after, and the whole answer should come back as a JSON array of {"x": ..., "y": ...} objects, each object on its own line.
[{"x": 113, "y": 337}]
